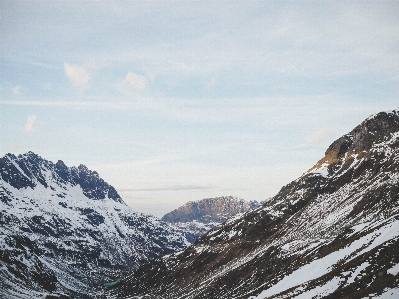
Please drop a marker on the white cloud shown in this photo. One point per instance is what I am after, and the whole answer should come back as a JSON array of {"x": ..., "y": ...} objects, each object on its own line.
[
  {"x": 16, "y": 90},
  {"x": 78, "y": 75},
  {"x": 30, "y": 125},
  {"x": 137, "y": 81}
]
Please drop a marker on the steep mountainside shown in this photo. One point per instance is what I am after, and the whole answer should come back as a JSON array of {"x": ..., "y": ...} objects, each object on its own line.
[
  {"x": 65, "y": 231},
  {"x": 332, "y": 233},
  {"x": 197, "y": 217}
]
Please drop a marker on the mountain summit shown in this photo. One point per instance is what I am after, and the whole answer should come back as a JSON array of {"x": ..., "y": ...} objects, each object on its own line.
[
  {"x": 64, "y": 231},
  {"x": 30, "y": 170},
  {"x": 332, "y": 233}
]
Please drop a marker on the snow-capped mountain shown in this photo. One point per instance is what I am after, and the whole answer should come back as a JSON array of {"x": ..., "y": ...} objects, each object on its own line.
[
  {"x": 66, "y": 232},
  {"x": 197, "y": 217},
  {"x": 332, "y": 233}
]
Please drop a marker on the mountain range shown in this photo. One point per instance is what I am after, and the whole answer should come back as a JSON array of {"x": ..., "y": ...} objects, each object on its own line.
[
  {"x": 331, "y": 233},
  {"x": 65, "y": 232}
]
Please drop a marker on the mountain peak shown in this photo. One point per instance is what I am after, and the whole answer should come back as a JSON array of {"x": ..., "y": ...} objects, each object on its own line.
[
  {"x": 83, "y": 167},
  {"x": 29, "y": 170},
  {"x": 65, "y": 232},
  {"x": 60, "y": 164},
  {"x": 30, "y": 155},
  {"x": 376, "y": 129},
  {"x": 373, "y": 129},
  {"x": 208, "y": 210},
  {"x": 195, "y": 218}
]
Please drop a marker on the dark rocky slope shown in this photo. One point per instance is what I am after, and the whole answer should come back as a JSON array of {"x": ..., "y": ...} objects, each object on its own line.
[
  {"x": 64, "y": 231},
  {"x": 332, "y": 233}
]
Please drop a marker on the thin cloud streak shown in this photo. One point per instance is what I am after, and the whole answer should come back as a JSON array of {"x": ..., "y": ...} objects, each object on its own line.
[
  {"x": 171, "y": 188},
  {"x": 258, "y": 111}
]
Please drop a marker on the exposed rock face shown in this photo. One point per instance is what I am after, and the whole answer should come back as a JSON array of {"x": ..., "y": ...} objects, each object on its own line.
[
  {"x": 64, "y": 231},
  {"x": 210, "y": 210},
  {"x": 332, "y": 233},
  {"x": 26, "y": 171},
  {"x": 197, "y": 217}
]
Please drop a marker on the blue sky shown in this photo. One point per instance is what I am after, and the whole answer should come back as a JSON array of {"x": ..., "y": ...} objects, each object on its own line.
[{"x": 172, "y": 101}]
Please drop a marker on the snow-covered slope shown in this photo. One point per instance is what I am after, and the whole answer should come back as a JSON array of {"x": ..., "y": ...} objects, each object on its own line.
[
  {"x": 66, "y": 231},
  {"x": 332, "y": 233},
  {"x": 197, "y": 217}
]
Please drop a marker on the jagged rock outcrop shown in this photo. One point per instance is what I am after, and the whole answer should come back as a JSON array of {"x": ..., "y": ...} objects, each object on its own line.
[
  {"x": 207, "y": 210},
  {"x": 197, "y": 217},
  {"x": 64, "y": 231},
  {"x": 332, "y": 233}
]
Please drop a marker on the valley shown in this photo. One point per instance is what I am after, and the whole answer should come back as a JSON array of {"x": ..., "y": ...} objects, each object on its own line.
[{"x": 331, "y": 233}]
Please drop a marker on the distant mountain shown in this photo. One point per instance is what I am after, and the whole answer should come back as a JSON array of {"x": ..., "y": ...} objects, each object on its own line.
[
  {"x": 64, "y": 231},
  {"x": 332, "y": 233},
  {"x": 197, "y": 217}
]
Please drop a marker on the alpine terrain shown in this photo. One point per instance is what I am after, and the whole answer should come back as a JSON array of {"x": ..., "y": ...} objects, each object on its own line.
[
  {"x": 65, "y": 232},
  {"x": 197, "y": 217},
  {"x": 332, "y": 233}
]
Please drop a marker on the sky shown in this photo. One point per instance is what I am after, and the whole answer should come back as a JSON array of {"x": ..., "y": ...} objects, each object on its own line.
[{"x": 174, "y": 101}]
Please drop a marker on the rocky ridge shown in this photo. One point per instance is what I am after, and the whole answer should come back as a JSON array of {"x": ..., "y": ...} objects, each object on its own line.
[
  {"x": 332, "y": 233},
  {"x": 64, "y": 231},
  {"x": 197, "y": 217}
]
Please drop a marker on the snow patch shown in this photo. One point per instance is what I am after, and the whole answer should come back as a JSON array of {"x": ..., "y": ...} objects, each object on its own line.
[
  {"x": 322, "y": 170},
  {"x": 394, "y": 270},
  {"x": 320, "y": 267}
]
